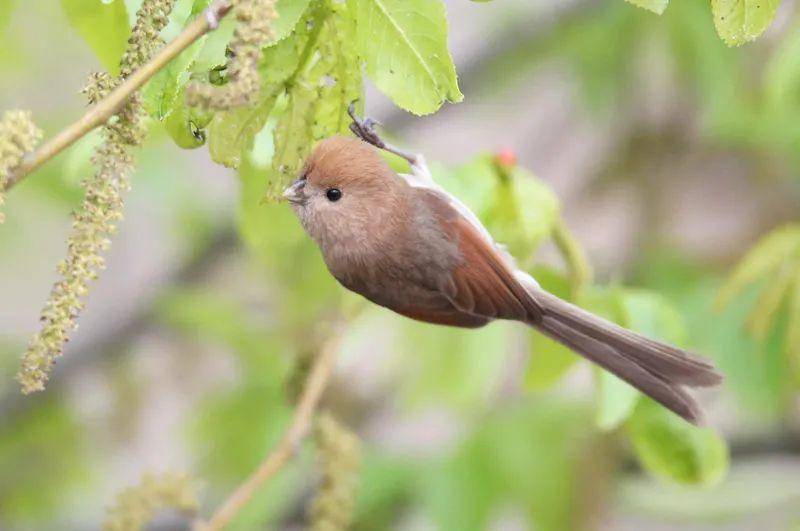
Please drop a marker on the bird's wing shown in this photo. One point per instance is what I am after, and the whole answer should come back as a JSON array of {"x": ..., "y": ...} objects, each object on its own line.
[
  {"x": 485, "y": 282},
  {"x": 422, "y": 179}
]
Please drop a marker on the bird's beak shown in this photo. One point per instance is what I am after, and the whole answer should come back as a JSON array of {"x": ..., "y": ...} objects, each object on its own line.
[{"x": 294, "y": 193}]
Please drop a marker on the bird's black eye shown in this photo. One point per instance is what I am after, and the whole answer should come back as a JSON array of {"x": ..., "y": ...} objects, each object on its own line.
[{"x": 333, "y": 194}]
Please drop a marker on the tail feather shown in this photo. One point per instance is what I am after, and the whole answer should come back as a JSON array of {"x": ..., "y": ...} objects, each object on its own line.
[{"x": 657, "y": 369}]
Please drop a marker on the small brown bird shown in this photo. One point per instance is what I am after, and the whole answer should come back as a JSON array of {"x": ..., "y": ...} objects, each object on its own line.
[{"x": 404, "y": 243}]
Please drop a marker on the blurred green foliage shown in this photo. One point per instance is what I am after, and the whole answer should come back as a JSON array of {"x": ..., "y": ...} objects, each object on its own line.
[
  {"x": 44, "y": 445},
  {"x": 535, "y": 458},
  {"x": 551, "y": 459},
  {"x": 255, "y": 413},
  {"x": 774, "y": 263},
  {"x": 104, "y": 26}
]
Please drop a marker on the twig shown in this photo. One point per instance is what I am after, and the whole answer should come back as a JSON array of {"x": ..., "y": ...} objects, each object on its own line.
[
  {"x": 100, "y": 113},
  {"x": 275, "y": 460}
]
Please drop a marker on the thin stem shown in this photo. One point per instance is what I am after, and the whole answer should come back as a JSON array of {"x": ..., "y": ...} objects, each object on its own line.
[
  {"x": 284, "y": 451},
  {"x": 105, "y": 109},
  {"x": 580, "y": 272}
]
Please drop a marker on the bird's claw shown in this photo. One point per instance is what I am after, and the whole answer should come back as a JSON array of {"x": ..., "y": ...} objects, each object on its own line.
[{"x": 365, "y": 128}]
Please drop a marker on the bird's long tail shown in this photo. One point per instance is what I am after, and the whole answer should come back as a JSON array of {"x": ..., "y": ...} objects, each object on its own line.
[{"x": 657, "y": 369}]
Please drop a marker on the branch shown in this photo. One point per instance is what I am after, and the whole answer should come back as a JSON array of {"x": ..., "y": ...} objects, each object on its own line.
[
  {"x": 105, "y": 109},
  {"x": 284, "y": 451}
]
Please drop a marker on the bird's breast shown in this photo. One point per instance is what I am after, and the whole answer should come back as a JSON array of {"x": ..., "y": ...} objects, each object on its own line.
[{"x": 406, "y": 268}]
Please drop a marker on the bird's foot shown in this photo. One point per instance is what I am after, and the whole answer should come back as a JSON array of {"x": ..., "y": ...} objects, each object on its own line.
[{"x": 365, "y": 128}]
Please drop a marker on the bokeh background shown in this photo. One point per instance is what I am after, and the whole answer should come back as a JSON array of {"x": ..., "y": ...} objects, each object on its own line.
[{"x": 670, "y": 154}]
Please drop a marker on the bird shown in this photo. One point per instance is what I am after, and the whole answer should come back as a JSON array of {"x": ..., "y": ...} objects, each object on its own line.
[{"x": 404, "y": 243}]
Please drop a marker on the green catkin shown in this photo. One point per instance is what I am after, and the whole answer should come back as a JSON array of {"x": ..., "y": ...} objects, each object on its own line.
[
  {"x": 340, "y": 456},
  {"x": 145, "y": 38},
  {"x": 253, "y": 31},
  {"x": 18, "y": 136},
  {"x": 136, "y": 506},
  {"x": 102, "y": 205}
]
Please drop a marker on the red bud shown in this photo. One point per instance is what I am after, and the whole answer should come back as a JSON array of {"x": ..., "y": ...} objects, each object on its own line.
[{"x": 506, "y": 157}]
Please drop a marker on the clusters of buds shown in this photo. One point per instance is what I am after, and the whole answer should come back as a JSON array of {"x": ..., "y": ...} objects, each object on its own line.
[
  {"x": 93, "y": 223},
  {"x": 253, "y": 32},
  {"x": 101, "y": 208},
  {"x": 145, "y": 38},
  {"x": 340, "y": 452},
  {"x": 135, "y": 506},
  {"x": 18, "y": 136}
]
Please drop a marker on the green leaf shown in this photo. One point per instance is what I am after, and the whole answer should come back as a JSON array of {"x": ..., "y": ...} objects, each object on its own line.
[
  {"x": 213, "y": 51},
  {"x": 775, "y": 262},
  {"x": 757, "y": 376},
  {"x": 741, "y": 21},
  {"x": 185, "y": 127},
  {"x": 537, "y": 458},
  {"x": 159, "y": 95},
  {"x": 289, "y": 12},
  {"x": 607, "y": 302},
  {"x": 293, "y": 139},
  {"x": 453, "y": 366},
  {"x": 337, "y": 75},
  {"x": 404, "y": 45},
  {"x": 782, "y": 73},
  {"x": 673, "y": 449},
  {"x": 104, "y": 27},
  {"x": 656, "y": 6},
  {"x": 651, "y": 314},
  {"x": 766, "y": 307},
  {"x": 538, "y": 209},
  {"x": 198, "y": 6},
  {"x": 617, "y": 400},
  {"x": 473, "y": 183},
  {"x": 762, "y": 260},
  {"x": 523, "y": 212},
  {"x": 232, "y": 133},
  {"x": 518, "y": 209},
  {"x": 328, "y": 79},
  {"x": 549, "y": 361}
]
